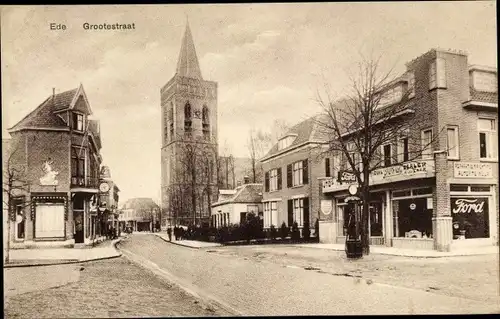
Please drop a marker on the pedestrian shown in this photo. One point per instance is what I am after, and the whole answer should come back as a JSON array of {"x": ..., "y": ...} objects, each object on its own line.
[
  {"x": 169, "y": 233},
  {"x": 176, "y": 233}
]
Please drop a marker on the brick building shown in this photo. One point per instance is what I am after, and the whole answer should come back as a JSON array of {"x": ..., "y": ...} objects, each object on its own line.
[
  {"x": 189, "y": 141},
  {"x": 140, "y": 214},
  {"x": 291, "y": 167},
  {"x": 56, "y": 151},
  {"x": 448, "y": 197},
  {"x": 109, "y": 198}
]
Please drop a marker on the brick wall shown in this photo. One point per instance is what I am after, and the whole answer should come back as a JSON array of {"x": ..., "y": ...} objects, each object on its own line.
[{"x": 311, "y": 190}]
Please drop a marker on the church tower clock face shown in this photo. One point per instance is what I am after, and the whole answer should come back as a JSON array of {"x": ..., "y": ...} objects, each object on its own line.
[{"x": 197, "y": 114}]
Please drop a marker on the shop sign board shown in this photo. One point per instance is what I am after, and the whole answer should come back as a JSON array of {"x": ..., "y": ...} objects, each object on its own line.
[
  {"x": 401, "y": 170},
  {"x": 468, "y": 205},
  {"x": 472, "y": 170}
]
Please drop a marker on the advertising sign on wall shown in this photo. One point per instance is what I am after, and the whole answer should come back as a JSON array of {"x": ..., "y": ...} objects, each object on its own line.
[{"x": 472, "y": 170}]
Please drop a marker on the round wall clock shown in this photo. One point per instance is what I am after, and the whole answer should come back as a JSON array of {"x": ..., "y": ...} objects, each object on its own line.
[
  {"x": 104, "y": 187},
  {"x": 353, "y": 189}
]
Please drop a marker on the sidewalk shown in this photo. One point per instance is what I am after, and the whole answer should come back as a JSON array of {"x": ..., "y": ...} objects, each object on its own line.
[
  {"x": 470, "y": 251},
  {"x": 382, "y": 250},
  {"x": 57, "y": 256},
  {"x": 187, "y": 243}
]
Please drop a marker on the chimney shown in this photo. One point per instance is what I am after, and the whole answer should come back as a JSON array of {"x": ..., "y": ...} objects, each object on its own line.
[
  {"x": 246, "y": 180},
  {"x": 53, "y": 92}
]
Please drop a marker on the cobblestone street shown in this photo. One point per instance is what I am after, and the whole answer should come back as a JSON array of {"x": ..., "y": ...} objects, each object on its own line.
[
  {"x": 109, "y": 288},
  {"x": 472, "y": 277}
]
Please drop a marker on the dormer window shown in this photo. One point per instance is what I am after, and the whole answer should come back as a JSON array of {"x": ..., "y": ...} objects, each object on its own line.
[
  {"x": 78, "y": 121},
  {"x": 286, "y": 141},
  {"x": 390, "y": 96}
]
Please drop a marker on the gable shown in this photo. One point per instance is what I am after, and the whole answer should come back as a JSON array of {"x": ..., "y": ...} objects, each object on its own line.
[{"x": 81, "y": 105}]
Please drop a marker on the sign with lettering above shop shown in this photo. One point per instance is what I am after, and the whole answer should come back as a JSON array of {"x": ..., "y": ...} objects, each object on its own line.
[
  {"x": 472, "y": 170},
  {"x": 346, "y": 177}
]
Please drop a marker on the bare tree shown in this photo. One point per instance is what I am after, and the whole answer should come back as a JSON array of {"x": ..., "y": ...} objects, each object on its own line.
[
  {"x": 260, "y": 142},
  {"x": 15, "y": 186},
  {"x": 372, "y": 116}
]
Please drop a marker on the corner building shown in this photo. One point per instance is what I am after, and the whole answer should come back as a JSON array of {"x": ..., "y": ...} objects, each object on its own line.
[
  {"x": 189, "y": 141},
  {"x": 448, "y": 198}
]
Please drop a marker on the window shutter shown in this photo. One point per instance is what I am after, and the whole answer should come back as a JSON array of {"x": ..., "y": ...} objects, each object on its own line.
[
  {"x": 305, "y": 172},
  {"x": 306, "y": 211},
  {"x": 289, "y": 176},
  {"x": 290, "y": 212},
  {"x": 266, "y": 186},
  {"x": 279, "y": 178},
  {"x": 327, "y": 167}
]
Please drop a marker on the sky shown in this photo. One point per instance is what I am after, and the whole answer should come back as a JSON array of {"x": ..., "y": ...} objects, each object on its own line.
[{"x": 268, "y": 59}]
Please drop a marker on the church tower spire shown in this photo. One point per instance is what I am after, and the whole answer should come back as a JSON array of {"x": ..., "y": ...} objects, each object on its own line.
[{"x": 188, "y": 65}]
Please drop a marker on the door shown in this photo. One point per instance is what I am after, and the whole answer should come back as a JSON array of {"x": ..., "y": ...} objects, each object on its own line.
[{"x": 78, "y": 227}]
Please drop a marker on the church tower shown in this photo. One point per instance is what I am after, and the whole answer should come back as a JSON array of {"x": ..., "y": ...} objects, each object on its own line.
[{"x": 189, "y": 141}]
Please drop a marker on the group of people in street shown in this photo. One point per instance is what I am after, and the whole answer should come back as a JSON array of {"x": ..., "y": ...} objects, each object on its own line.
[{"x": 178, "y": 232}]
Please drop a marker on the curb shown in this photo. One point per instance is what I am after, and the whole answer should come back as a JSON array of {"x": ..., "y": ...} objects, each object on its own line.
[
  {"x": 176, "y": 243},
  {"x": 190, "y": 289},
  {"x": 68, "y": 262},
  {"x": 410, "y": 256}
]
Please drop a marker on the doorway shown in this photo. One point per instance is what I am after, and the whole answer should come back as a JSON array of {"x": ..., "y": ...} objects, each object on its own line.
[{"x": 78, "y": 227}]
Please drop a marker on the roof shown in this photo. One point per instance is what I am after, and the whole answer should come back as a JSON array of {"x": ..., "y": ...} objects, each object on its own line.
[
  {"x": 306, "y": 131},
  {"x": 140, "y": 203},
  {"x": 188, "y": 65},
  {"x": 45, "y": 115},
  {"x": 487, "y": 97},
  {"x": 247, "y": 193}
]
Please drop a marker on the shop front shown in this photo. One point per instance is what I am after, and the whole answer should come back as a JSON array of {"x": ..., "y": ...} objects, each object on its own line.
[{"x": 473, "y": 214}]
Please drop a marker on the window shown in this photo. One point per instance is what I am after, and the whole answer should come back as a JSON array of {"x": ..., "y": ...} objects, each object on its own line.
[
  {"x": 488, "y": 139},
  {"x": 403, "y": 152},
  {"x": 49, "y": 220},
  {"x": 426, "y": 139},
  {"x": 470, "y": 217},
  {"x": 187, "y": 117},
  {"x": 327, "y": 167},
  {"x": 387, "y": 154},
  {"x": 437, "y": 74},
  {"x": 78, "y": 121},
  {"x": 78, "y": 166},
  {"x": 412, "y": 218},
  {"x": 205, "y": 117},
  {"x": 270, "y": 214},
  {"x": 243, "y": 217},
  {"x": 390, "y": 96},
  {"x": 20, "y": 221},
  {"x": 452, "y": 144},
  {"x": 273, "y": 180},
  {"x": 298, "y": 211},
  {"x": 297, "y": 174}
]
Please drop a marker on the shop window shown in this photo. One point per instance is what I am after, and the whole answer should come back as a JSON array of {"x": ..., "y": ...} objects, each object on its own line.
[
  {"x": 49, "y": 220},
  {"x": 488, "y": 139},
  {"x": 412, "y": 218},
  {"x": 470, "y": 217}
]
